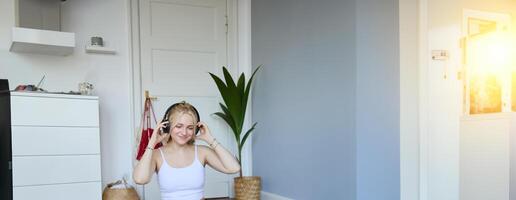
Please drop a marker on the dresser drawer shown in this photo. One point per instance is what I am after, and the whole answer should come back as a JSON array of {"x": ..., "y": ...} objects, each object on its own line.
[
  {"x": 48, "y": 111},
  {"x": 29, "y": 140},
  {"x": 75, "y": 191},
  {"x": 37, "y": 170}
]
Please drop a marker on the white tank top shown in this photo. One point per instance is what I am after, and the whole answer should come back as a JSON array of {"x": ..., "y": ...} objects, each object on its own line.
[{"x": 186, "y": 183}]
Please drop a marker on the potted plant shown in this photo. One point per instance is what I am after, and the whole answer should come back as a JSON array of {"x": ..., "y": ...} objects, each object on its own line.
[{"x": 235, "y": 96}]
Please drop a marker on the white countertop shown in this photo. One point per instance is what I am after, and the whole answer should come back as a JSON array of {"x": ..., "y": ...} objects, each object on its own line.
[{"x": 53, "y": 95}]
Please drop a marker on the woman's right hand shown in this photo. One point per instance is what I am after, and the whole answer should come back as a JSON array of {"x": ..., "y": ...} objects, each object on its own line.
[{"x": 157, "y": 136}]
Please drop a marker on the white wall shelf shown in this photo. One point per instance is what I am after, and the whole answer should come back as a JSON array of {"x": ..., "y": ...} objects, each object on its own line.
[
  {"x": 27, "y": 40},
  {"x": 99, "y": 49}
]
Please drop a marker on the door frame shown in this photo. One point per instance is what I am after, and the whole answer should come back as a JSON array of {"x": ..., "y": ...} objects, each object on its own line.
[
  {"x": 239, "y": 53},
  {"x": 423, "y": 100},
  {"x": 414, "y": 122},
  {"x": 409, "y": 99}
]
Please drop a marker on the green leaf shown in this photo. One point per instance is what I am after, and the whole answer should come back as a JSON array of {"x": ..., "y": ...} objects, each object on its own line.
[
  {"x": 236, "y": 129},
  {"x": 234, "y": 98},
  {"x": 229, "y": 80},
  {"x": 241, "y": 83},
  {"x": 223, "y": 89},
  {"x": 247, "y": 90},
  {"x": 247, "y": 135},
  {"x": 227, "y": 96},
  {"x": 227, "y": 119}
]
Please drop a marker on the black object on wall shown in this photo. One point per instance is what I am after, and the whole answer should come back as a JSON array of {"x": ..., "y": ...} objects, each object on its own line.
[{"x": 6, "y": 175}]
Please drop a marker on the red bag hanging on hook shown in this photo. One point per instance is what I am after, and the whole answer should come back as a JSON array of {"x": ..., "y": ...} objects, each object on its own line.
[{"x": 146, "y": 129}]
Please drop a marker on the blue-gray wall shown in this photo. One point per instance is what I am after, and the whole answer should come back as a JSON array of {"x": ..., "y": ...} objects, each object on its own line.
[
  {"x": 378, "y": 100},
  {"x": 305, "y": 99}
]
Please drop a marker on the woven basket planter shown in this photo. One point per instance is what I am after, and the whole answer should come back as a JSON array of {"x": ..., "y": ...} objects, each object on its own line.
[
  {"x": 248, "y": 188},
  {"x": 128, "y": 193}
]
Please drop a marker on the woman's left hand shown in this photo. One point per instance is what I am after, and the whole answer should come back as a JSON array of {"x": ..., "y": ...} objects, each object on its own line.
[{"x": 204, "y": 132}]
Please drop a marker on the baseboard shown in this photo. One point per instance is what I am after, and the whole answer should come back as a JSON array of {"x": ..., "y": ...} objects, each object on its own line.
[{"x": 271, "y": 196}]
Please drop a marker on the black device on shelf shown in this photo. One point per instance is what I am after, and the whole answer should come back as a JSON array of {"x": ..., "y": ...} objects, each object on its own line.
[{"x": 6, "y": 175}]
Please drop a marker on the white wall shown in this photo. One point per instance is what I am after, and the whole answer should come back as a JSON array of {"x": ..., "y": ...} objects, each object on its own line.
[
  {"x": 110, "y": 74},
  {"x": 444, "y": 31}
]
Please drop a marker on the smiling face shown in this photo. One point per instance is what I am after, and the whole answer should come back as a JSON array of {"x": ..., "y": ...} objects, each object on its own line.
[
  {"x": 183, "y": 124},
  {"x": 183, "y": 128}
]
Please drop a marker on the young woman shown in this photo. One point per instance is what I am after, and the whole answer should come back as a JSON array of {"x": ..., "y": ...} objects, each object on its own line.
[{"x": 179, "y": 163}]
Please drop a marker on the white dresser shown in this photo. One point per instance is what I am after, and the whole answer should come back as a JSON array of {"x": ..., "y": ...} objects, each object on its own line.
[{"x": 55, "y": 147}]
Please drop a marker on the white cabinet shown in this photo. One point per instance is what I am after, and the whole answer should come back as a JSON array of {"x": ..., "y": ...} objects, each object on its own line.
[{"x": 55, "y": 146}]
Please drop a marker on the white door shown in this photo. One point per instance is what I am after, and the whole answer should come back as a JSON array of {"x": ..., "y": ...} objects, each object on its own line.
[{"x": 181, "y": 41}]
